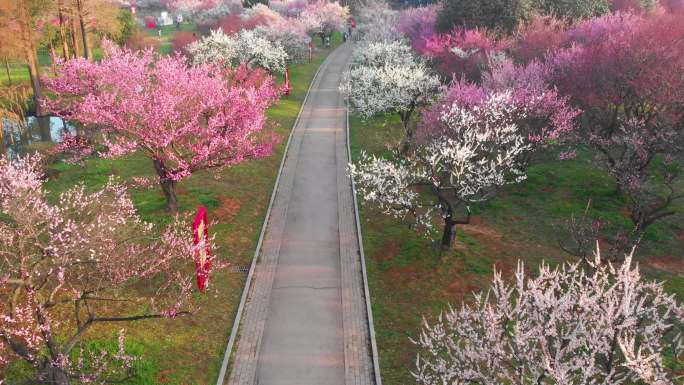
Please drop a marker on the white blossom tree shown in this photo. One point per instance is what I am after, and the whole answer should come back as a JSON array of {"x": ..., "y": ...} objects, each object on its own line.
[
  {"x": 294, "y": 41},
  {"x": 565, "y": 326},
  {"x": 387, "y": 78},
  {"x": 244, "y": 47},
  {"x": 377, "y": 22},
  {"x": 379, "y": 54},
  {"x": 480, "y": 150}
]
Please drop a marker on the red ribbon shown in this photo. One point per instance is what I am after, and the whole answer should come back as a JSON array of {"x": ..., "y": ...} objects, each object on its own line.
[
  {"x": 287, "y": 81},
  {"x": 200, "y": 229}
]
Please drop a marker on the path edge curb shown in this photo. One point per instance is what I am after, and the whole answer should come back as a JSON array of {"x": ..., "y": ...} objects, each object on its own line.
[
  {"x": 248, "y": 282},
  {"x": 359, "y": 237}
]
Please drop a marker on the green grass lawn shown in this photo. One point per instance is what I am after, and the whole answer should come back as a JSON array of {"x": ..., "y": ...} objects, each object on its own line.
[
  {"x": 18, "y": 73},
  {"x": 409, "y": 277},
  {"x": 189, "y": 350},
  {"x": 167, "y": 35}
]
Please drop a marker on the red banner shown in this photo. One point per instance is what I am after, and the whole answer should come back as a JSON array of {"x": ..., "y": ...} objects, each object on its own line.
[
  {"x": 287, "y": 81},
  {"x": 200, "y": 228}
]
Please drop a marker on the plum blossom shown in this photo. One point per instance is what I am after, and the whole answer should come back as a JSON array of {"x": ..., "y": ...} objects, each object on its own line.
[
  {"x": 566, "y": 325},
  {"x": 462, "y": 52},
  {"x": 548, "y": 116},
  {"x": 480, "y": 149},
  {"x": 378, "y": 22},
  {"x": 184, "y": 118},
  {"x": 294, "y": 40},
  {"x": 383, "y": 79},
  {"x": 245, "y": 47},
  {"x": 324, "y": 17},
  {"x": 379, "y": 54},
  {"x": 417, "y": 24},
  {"x": 63, "y": 265},
  {"x": 626, "y": 72}
]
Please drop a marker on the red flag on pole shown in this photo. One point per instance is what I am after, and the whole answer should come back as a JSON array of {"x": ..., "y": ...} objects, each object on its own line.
[
  {"x": 287, "y": 81},
  {"x": 200, "y": 229}
]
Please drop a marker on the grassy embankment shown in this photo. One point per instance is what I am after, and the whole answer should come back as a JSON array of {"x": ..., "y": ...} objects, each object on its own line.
[
  {"x": 409, "y": 277},
  {"x": 189, "y": 350}
]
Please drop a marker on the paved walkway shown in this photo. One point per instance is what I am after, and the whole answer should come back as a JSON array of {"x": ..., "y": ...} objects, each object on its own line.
[{"x": 305, "y": 320}]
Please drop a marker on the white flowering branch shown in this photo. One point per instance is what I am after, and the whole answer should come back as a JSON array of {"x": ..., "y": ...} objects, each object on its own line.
[
  {"x": 245, "y": 47},
  {"x": 479, "y": 151},
  {"x": 564, "y": 326},
  {"x": 387, "y": 78}
]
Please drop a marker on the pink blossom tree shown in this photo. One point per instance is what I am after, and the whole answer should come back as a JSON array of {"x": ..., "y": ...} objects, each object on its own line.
[
  {"x": 537, "y": 38},
  {"x": 232, "y": 24},
  {"x": 68, "y": 266},
  {"x": 626, "y": 72},
  {"x": 184, "y": 118},
  {"x": 548, "y": 116},
  {"x": 565, "y": 325},
  {"x": 462, "y": 52},
  {"x": 418, "y": 25},
  {"x": 324, "y": 17}
]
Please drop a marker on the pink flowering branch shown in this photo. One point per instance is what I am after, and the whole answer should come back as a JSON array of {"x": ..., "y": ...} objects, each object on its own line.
[
  {"x": 69, "y": 265},
  {"x": 462, "y": 53},
  {"x": 542, "y": 114}
]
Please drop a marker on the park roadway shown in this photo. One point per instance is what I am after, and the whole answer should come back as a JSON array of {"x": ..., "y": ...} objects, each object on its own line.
[{"x": 305, "y": 320}]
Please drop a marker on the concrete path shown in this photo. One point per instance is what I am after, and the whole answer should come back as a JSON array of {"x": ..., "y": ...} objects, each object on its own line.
[{"x": 305, "y": 320}]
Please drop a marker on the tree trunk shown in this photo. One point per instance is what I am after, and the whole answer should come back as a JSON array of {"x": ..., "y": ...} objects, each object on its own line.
[
  {"x": 84, "y": 33},
  {"x": 44, "y": 128},
  {"x": 168, "y": 186},
  {"x": 34, "y": 73},
  {"x": 29, "y": 47},
  {"x": 449, "y": 234},
  {"x": 62, "y": 30},
  {"x": 408, "y": 139},
  {"x": 74, "y": 38},
  {"x": 54, "y": 56},
  {"x": 54, "y": 376}
]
